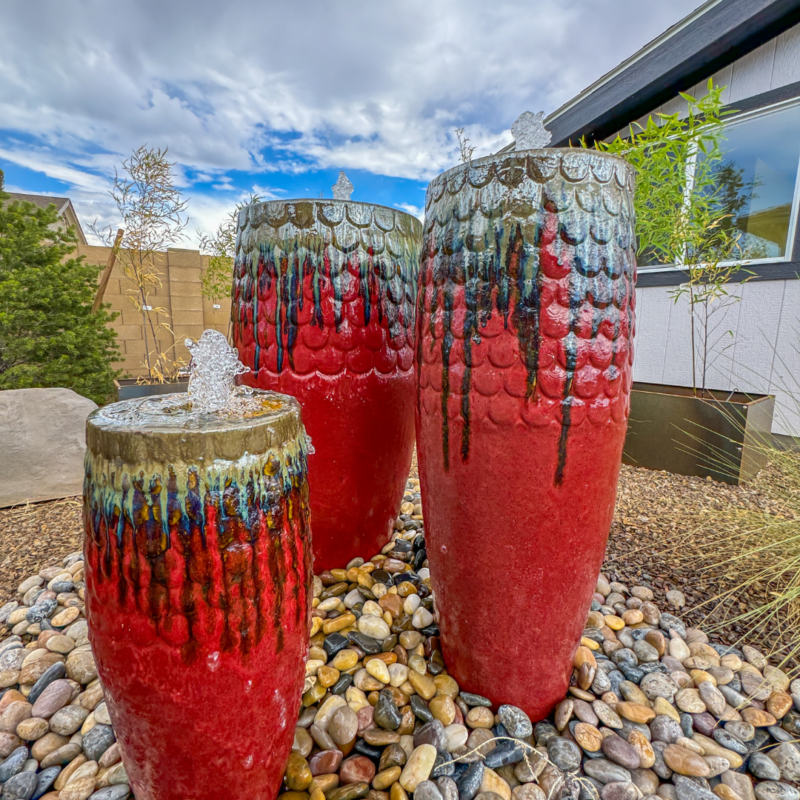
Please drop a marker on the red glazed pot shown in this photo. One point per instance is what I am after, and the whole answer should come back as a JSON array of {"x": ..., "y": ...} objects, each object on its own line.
[
  {"x": 524, "y": 353},
  {"x": 323, "y": 310},
  {"x": 198, "y": 567}
]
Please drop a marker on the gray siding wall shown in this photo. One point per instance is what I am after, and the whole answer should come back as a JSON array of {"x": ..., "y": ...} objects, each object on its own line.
[
  {"x": 755, "y": 344},
  {"x": 762, "y": 354}
]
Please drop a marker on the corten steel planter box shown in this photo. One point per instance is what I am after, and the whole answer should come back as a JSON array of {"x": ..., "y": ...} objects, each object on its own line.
[
  {"x": 198, "y": 573},
  {"x": 721, "y": 435},
  {"x": 130, "y": 388},
  {"x": 323, "y": 310},
  {"x": 524, "y": 327}
]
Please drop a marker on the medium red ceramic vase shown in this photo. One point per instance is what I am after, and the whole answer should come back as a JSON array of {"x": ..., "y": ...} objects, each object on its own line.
[
  {"x": 524, "y": 353},
  {"x": 198, "y": 569},
  {"x": 323, "y": 310}
]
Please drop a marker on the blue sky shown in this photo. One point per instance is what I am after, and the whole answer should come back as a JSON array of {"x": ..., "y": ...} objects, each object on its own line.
[{"x": 276, "y": 97}]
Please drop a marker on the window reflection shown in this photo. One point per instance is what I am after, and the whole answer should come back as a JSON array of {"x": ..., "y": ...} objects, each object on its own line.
[{"x": 757, "y": 181}]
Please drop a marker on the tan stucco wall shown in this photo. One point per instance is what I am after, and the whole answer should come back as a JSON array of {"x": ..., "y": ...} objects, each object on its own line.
[{"x": 188, "y": 312}]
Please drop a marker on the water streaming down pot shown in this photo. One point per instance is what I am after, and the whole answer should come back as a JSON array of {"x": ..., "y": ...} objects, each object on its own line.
[
  {"x": 198, "y": 567},
  {"x": 323, "y": 309},
  {"x": 523, "y": 356}
]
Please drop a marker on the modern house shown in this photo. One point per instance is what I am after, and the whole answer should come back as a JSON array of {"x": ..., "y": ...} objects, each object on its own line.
[
  {"x": 751, "y": 47},
  {"x": 66, "y": 212}
]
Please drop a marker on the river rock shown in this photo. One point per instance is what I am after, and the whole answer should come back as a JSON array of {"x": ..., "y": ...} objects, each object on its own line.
[
  {"x": 776, "y": 790},
  {"x": 712, "y": 697},
  {"x": 492, "y": 782},
  {"x": 20, "y": 787},
  {"x": 658, "y": 685},
  {"x": 729, "y": 741},
  {"x": 431, "y": 733},
  {"x": 97, "y": 741},
  {"x": 787, "y": 758},
  {"x": 418, "y": 767},
  {"x": 528, "y": 791},
  {"x": 13, "y": 764},
  {"x": 121, "y": 792},
  {"x": 764, "y": 767},
  {"x": 356, "y": 769},
  {"x": 618, "y": 750},
  {"x": 447, "y": 787},
  {"x": 588, "y": 736},
  {"x": 516, "y": 721},
  {"x": 427, "y": 790},
  {"x": 469, "y": 783},
  {"x": 689, "y": 789},
  {"x": 606, "y": 714},
  {"x": 81, "y": 666},
  {"x": 606, "y": 771},
  {"x": 566, "y": 755},
  {"x": 665, "y": 729},
  {"x": 67, "y": 720},
  {"x": 685, "y": 762},
  {"x": 325, "y": 762},
  {"x": 342, "y": 725}
]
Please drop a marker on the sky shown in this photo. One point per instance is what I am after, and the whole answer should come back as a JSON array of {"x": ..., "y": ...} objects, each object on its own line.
[{"x": 275, "y": 97}]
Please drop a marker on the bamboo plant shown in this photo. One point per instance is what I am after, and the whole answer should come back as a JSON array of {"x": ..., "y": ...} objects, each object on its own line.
[{"x": 683, "y": 216}]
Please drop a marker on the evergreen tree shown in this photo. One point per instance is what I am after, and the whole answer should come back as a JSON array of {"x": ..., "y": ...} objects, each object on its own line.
[{"x": 48, "y": 334}]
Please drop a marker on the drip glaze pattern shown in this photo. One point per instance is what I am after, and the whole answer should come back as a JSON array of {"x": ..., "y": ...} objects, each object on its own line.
[
  {"x": 524, "y": 349},
  {"x": 323, "y": 309},
  {"x": 526, "y": 302},
  {"x": 198, "y": 573}
]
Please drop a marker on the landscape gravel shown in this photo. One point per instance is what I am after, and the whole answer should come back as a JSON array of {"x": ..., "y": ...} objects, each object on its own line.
[{"x": 654, "y": 709}]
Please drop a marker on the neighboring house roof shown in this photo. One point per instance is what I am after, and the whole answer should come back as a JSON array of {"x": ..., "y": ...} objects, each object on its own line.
[
  {"x": 710, "y": 38},
  {"x": 66, "y": 210}
]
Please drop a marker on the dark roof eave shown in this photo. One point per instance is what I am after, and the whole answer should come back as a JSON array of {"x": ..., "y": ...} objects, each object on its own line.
[{"x": 725, "y": 32}]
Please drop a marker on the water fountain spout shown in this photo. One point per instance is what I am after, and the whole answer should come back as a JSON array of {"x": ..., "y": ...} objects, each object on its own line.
[
  {"x": 215, "y": 365},
  {"x": 198, "y": 558}
]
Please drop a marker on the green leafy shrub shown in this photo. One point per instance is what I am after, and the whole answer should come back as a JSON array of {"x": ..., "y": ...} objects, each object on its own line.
[{"x": 49, "y": 335}]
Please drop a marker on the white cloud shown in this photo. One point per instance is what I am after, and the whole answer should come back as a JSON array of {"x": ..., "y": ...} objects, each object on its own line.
[
  {"x": 294, "y": 84},
  {"x": 415, "y": 211}
]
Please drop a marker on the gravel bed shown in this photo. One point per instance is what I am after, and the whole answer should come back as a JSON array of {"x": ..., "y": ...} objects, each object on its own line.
[{"x": 654, "y": 709}]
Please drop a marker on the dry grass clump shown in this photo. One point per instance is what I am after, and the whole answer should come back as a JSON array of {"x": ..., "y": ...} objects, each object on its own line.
[{"x": 753, "y": 553}]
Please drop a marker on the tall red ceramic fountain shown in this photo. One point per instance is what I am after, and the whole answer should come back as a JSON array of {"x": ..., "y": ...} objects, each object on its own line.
[
  {"x": 198, "y": 569},
  {"x": 525, "y": 326},
  {"x": 323, "y": 310}
]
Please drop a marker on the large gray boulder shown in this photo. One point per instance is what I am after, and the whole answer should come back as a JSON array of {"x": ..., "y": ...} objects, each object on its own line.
[{"x": 42, "y": 442}]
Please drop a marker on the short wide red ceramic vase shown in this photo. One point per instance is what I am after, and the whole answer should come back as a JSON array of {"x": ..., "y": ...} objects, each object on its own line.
[
  {"x": 525, "y": 324},
  {"x": 323, "y": 310},
  {"x": 198, "y": 574}
]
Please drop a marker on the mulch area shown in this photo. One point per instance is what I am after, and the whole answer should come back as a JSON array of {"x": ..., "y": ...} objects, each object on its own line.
[
  {"x": 650, "y": 541},
  {"x": 653, "y": 542},
  {"x": 35, "y": 536}
]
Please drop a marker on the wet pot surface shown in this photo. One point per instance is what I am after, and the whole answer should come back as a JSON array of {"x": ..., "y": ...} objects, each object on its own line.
[
  {"x": 323, "y": 310},
  {"x": 525, "y": 322},
  {"x": 197, "y": 596}
]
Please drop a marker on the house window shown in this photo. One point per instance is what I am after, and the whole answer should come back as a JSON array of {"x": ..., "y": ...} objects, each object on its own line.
[{"x": 758, "y": 182}]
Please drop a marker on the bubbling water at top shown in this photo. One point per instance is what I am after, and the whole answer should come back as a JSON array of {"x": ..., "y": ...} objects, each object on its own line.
[
  {"x": 529, "y": 131},
  {"x": 212, "y": 373}
]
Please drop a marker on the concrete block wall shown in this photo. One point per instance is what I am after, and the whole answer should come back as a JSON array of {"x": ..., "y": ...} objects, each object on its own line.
[{"x": 187, "y": 312}]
